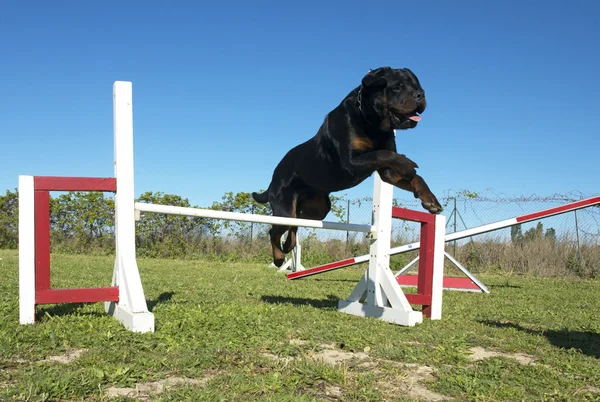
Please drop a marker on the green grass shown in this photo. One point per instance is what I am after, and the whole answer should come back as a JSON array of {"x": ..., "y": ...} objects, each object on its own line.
[{"x": 245, "y": 332}]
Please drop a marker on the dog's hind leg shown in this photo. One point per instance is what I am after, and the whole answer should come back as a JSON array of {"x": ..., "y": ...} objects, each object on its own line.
[
  {"x": 276, "y": 232},
  {"x": 315, "y": 205}
]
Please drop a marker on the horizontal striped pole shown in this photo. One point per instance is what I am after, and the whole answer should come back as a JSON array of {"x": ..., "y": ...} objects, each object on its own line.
[
  {"x": 238, "y": 216},
  {"x": 572, "y": 206},
  {"x": 328, "y": 267}
]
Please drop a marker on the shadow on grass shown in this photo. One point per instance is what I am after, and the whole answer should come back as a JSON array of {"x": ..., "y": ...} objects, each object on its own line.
[
  {"x": 74, "y": 308},
  {"x": 63, "y": 309},
  {"x": 330, "y": 302},
  {"x": 505, "y": 285},
  {"x": 334, "y": 280},
  {"x": 163, "y": 297},
  {"x": 587, "y": 343}
]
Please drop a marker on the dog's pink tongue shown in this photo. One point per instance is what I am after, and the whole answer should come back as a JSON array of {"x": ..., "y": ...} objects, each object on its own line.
[{"x": 415, "y": 118}]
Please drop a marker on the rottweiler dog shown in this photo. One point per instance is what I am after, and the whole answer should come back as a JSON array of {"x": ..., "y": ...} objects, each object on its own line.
[{"x": 356, "y": 139}]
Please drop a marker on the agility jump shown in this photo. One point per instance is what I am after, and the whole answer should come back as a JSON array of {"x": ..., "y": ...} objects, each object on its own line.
[
  {"x": 411, "y": 280},
  {"x": 377, "y": 294}
]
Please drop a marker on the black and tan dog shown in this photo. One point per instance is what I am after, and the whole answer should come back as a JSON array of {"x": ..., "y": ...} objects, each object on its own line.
[{"x": 355, "y": 140}]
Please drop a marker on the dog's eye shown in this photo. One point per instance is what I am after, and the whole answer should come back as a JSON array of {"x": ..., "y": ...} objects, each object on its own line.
[{"x": 397, "y": 87}]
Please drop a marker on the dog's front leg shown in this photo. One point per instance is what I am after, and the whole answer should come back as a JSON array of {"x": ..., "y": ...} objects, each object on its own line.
[
  {"x": 365, "y": 164},
  {"x": 416, "y": 185}
]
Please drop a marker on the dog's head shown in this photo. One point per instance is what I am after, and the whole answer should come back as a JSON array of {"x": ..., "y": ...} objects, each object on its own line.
[{"x": 392, "y": 97}]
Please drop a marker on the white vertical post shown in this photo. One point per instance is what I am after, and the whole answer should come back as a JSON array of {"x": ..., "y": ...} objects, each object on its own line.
[
  {"x": 26, "y": 250},
  {"x": 294, "y": 262},
  {"x": 438, "y": 267},
  {"x": 297, "y": 257},
  {"x": 131, "y": 309},
  {"x": 379, "y": 251},
  {"x": 384, "y": 297}
]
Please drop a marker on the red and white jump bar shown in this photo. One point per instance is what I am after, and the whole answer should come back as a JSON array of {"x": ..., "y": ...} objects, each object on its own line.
[{"x": 454, "y": 236}]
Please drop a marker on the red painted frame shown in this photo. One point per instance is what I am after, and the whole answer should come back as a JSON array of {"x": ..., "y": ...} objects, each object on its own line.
[
  {"x": 450, "y": 282},
  {"x": 43, "y": 293},
  {"x": 424, "y": 280}
]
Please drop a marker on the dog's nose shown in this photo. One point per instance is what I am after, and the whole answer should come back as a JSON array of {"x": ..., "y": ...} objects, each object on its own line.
[{"x": 419, "y": 96}]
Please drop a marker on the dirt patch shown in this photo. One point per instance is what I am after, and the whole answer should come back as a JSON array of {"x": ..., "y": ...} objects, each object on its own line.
[
  {"x": 371, "y": 366},
  {"x": 410, "y": 383},
  {"x": 271, "y": 356},
  {"x": 333, "y": 357},
  {"x": 328, "y": 355},
  {"x": 69, "y": 356},
  {"x": 329, "y": 392},
  {"x": 143, "y": 391},
  {"x": 479, "y": 353},
  {"x": 413, "y": 384}
]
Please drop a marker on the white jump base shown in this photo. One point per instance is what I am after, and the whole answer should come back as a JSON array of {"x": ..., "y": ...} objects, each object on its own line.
[{"x": 377, "y": 294}]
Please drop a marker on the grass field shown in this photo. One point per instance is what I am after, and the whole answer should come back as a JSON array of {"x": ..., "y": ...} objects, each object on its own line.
[{"x": 242, "y": 332}]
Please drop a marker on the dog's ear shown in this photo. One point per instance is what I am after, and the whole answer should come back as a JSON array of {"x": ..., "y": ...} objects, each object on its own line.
[{"x": 376, "y": 78}]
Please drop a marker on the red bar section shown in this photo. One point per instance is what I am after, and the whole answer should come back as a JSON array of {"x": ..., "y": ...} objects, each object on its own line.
[
  {"x": 412, "y": 215},
  {"x": 425, "y": 283},
  {"x": 557, "y": 210},
  {"x": 449, "y": 282},
  {"x": 320, "y": 269},
  {"x": 86, "y": 295},
  {"x": 41, "y": 201},
  {"x": 53, "y": 183},
  {"x": 415, "y": 298}
]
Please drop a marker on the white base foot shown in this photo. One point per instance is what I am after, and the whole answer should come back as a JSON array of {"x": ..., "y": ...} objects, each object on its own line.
[
  {"x": 388, "y": 314},
  {"x": 136, "y": 322}
]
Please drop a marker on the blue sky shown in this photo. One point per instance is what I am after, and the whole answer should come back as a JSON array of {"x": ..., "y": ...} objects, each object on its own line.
[{"x": 222, "y": 90}]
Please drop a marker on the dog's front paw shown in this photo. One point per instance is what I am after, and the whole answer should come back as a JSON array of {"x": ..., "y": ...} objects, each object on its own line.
[{"x": 431, "y": 204}]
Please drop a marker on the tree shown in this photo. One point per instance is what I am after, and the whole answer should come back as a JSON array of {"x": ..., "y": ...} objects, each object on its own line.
[
  {"x": 9, "y": 220},
  {"x": 550, "y": 235},
  {"x": 82, "y": 220},
  {"x": 534, "y": 234},
  {"x": 339, "y": 207},
  {"x": 167, "y": 235},
  {"x": 516, "y": 234},
  {"x": 239, "y": 202}
]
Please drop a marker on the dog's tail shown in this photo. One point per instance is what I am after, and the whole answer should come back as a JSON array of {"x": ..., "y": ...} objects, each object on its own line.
[{"x": 261, "y": 198}]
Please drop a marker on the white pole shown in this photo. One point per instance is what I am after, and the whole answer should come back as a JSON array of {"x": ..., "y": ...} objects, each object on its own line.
[
  {"x": 438, "y": 268},
  {"x": 297, "y": 257},
  {"x": 238, "y": 216},
  {"x": 380, "y": 246},
  {"x": 131, "y": 309},
  {"x": 26, "y": 250}
]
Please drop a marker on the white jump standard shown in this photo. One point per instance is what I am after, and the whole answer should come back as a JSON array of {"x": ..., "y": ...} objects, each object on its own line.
[{"x": 378, "y": 294}]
